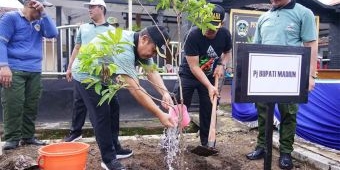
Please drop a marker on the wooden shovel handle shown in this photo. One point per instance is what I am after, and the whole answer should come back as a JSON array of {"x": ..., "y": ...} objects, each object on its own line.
[{"x": 212, "y": 129}]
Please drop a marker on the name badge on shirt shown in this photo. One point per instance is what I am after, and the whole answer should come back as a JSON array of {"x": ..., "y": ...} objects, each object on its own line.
[{"x": 37, "y": 27}]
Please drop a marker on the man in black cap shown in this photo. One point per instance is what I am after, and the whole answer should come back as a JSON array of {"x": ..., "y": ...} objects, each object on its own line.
[
  {"x": 206, "y": 56},
  {"x": 86, "y": 33},
  {"x": 21, "y": 56},
  {"x": 147, "y": 43}
]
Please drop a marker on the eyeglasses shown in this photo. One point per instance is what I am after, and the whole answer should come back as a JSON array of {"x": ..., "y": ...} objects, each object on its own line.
[{"x": 93, "y": 6}]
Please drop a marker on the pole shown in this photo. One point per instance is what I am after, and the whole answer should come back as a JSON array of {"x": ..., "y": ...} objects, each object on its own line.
[
  {"x": 269, "y": 136},
  {"x": 0, "y": 147},
  {"x": 130, "y": 15},
  {"x": 59, "y": 40}
]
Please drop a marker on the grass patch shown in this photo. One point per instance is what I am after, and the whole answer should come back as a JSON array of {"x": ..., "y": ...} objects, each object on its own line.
[{"x": 50, "y": 134}]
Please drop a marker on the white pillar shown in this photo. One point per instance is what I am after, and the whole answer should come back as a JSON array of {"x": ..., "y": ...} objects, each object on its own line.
[
  {"x": 130, "y": 15},
  {"x": 0, "y": 147}
]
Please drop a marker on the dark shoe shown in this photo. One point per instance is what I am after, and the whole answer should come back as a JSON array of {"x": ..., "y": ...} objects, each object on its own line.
[
  {"x": 32, "y": 141},
  {"x": 10, "y": 145},
  {"x": 285, "y": 161},
  {"x": 73, "y": 138},
  {"x": 113, "y": 165},
  {"x": 124, "y": 153},
  {"x": 258, "y": 153}
]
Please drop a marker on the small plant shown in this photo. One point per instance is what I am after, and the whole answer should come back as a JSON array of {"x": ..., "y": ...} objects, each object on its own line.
[
  {"x": 96, "y": 59},
  {"x": 199, "y": 12}
]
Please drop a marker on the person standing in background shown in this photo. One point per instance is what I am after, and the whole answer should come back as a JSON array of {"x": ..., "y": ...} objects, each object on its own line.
[
  {"x": 113, "y": 21},
  {"x": 21, "y": 36},
  {"x": 291, "y": 24}
]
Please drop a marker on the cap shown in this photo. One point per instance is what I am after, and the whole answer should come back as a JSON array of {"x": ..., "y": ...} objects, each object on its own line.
[
  {"x": 112, "y": 20},
  {"x": 95, "y": 2},
  {"x": 218, "y": 16},
  {"x": 44, "y": 2},
  {"x": 157, "y": 37}
]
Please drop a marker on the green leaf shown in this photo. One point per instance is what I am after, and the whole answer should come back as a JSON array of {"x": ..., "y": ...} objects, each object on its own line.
[
  {"x": 92, "y": 83},
  {"x": 87, "y": 81},
  {"x": 119, "y": 35},
  {"x": 126, "y": 43},
  {"x": 103, "y": 99},
  {"x": 113, "y": 68},
  {"x": 105, "y": 38},
  {"x": 111, "y": 95},
  {"x": 98, "y": 88},
  {"x": 112, "y": 36},
  {"x": 105, "y": 91},
  {"x": 98, "y": 70}
]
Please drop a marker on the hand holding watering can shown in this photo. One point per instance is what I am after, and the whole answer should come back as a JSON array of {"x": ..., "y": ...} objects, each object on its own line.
[{"x": 178, "y": 110}]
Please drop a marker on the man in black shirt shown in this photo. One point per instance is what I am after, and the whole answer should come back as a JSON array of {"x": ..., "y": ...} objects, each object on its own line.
[{"x": 206, "y": 56}]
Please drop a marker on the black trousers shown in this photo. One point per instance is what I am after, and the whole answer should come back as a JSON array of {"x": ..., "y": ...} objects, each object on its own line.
[
  {"x": 79, "y": 111},
  {"x": 189, "y": 85},
  {"x": 104, "y": 119}
]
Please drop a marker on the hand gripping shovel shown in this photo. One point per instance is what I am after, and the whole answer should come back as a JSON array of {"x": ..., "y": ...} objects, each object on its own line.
[{"x": 210, "y": 148}]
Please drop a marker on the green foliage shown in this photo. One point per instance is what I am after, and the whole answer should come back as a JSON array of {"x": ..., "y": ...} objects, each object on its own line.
[
  {"x": 96, "y": 59},
  {"x": 149, "y": 68},
  {"x": 199, "y": 12},
  {"x": 136, "y": 28}
]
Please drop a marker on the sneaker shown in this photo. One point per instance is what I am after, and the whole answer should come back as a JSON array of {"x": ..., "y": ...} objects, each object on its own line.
[
  {"x": 73, "y": 137},
  {"x": 123, "y": 153},
  {"x": 113, "y": 165}
]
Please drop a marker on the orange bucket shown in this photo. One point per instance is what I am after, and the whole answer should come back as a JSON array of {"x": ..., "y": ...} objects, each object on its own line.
[{"x": 63, "y": 156}]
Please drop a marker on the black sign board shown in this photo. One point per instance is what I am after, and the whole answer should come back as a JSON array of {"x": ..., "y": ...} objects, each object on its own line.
[{"x": 270, "y": 73}]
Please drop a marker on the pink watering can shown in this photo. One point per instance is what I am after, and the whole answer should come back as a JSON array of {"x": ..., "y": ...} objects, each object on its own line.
[{"x": 176, "y": 111}]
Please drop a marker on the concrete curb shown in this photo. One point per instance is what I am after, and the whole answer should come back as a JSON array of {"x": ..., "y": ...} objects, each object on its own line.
[
  {"x": 121, "y": 138},
  {"x": 321, "y": 159}
]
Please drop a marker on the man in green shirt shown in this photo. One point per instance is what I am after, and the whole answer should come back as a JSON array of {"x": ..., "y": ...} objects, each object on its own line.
[
  {"x": 291, "y": 24},
  {"x": 145, "y": 47}
]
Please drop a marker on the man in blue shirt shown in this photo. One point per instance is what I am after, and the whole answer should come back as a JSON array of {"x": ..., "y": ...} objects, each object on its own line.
[
  {"x": 290, "y": 24},
  {"x": 21, "y": 37}
]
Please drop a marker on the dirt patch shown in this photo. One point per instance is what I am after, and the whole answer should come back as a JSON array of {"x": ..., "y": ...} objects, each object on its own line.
[{"x": 148, "y": 154}]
